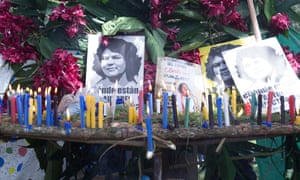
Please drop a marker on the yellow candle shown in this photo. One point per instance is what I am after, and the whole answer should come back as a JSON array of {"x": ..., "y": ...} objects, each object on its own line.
[
  {"x": 130, "y": 114},
  {"x": 93, "y": 111},
  {"x": 205, "y": 113},
  {"x": 233, "y": 100},
  {"x": 88, "y": 111},
  {"x": 30, "y": 113},
  {"x": 100, "y": 114},
  {"x": 297, "y": 122},
  {"x": 135, "y": 117}
]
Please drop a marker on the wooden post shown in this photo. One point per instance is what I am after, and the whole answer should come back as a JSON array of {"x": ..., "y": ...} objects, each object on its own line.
[
  {"x": 254, "y": 20},
  {"x": 157, "y": 163}
]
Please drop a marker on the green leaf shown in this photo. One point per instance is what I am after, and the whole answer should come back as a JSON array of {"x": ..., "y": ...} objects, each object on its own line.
[
  {"x": 93, "y": 6},
  {"x": 187, "y": 14},
  {"x": 234, "y": 32},
  {"x": 122, "y": 24},
  {"x": 269, "y": 9},
  {"x": 282, "y": 6},
  {"x": 47, "y": 47},
  {"x": 155, "y": 48},
  {"x": 226, "y": 166},
  {"x": 189, "y": 47}
]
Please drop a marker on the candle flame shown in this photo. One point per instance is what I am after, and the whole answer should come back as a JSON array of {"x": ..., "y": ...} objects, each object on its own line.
[
  {"x": 159, "y": 93},
  {"x": 9, "y": 87},
  {"x": 68, "y": 114},
  {"x": 240, "y": 112},
  {"x": 49, "y": 89},
  {"x": 30, "y": 92},
  {"x": 55, "y": 90},
  {"x": 164, "y": 85}
]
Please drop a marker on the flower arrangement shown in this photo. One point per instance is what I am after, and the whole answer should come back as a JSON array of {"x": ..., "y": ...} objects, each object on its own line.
[
  {"x": 44, "y": 31},
  {"x": 36, "y": 37}
]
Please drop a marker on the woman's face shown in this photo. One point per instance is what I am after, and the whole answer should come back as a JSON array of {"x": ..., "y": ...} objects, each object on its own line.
[
  {"x": 256, "y": 68},
  {"x": 220, "y": 68},
  {"x": 184, "y": 90},
  {"x": 112, "y": 63}
]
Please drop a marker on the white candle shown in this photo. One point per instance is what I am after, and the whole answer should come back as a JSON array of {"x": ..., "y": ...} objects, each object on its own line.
[{"x": 226, "y": 111}]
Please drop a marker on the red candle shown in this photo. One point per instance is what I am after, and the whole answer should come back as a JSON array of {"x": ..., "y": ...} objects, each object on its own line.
[
  {"x": 13, "y": 109},
  {"x": 292, "y": 109},
  {"x": 269, "y": 108},
  {"x": 247, "y": 107},
  {"x": 141, "y": 104}
]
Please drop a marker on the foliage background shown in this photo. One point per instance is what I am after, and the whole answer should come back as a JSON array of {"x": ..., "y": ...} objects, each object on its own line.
[{"x": 43, "y": 31}]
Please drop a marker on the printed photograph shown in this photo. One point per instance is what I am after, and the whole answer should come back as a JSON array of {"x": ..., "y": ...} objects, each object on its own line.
[{"x": 115, "y": 61}]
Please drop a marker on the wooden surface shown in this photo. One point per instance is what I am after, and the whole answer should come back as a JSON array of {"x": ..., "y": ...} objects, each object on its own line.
[{"x": 125, "y": 134}]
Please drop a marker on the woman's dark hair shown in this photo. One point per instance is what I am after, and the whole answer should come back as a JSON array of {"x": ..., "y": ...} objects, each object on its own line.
[
  {"x": 129, "y": 52},
  {"x": 216, "y": 51}
]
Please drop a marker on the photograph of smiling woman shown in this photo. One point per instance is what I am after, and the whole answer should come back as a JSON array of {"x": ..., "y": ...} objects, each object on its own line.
[{"x": 117, "y": 60}]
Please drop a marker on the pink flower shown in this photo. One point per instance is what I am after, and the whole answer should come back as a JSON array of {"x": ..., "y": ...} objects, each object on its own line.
[
  {"x": 279, "y": 23},
  {"x": 294, "y": 59},
  {"x": 60, "y": 71}
]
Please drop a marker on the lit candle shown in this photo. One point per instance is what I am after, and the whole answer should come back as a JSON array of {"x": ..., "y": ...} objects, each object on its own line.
[
  {"x": 219, "y": 111},
  {"x": 48, "y": 107},
  {"x": 233, "y": 101},
  {"x": 292, "y": 109},
  {"x": 26, "y": 108},
  {"x": 39, "y": 107},
  {"x": 93, "y": 112},
  {"x": 282, "y": 110},
  {"x": 130, "y": 111},
  {"x": 88, "y": 110},
  {"x": 269, "y": 108},
  {"x": 55, "y": 99},
  {"x": 13, "y": 109},
  {"x": 30, "y": 113},
  {"x": 210, "y": 111},
  {"x": 141, "y": 103},
  {"x": 226, "y": 110},
  {"x": 82, "y": 109},
  {"x": 100, "y": 114},
  {"x": 20, "y": 108},
  {"x": 150, "y": 98},
  {"x": 165, "y": 109},
  {"x": 149, "y": 137},
  {"x": 158, "y": 102},
  {"x": 187, "y": 111},
  {"x": 68, "y": 124},
  {"x": 259, "y": 109}
]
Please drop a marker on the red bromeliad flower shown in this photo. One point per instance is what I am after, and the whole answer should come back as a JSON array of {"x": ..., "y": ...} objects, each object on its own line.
[
  {"x": 224, "y": 12},
  {"x": 294, "y": 59},
  {"x": 279, "y": 23},
  {"x": 149, "y": 75},
  {"x": 192, "y": 56},
  {"x": 60, "y": 71},
  {"x": 15, "y": 31},
  {"x": 74, "y": 15}
]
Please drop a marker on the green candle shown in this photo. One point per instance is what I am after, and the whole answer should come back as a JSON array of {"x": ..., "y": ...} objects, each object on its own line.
[{"x": 187, "y": 109}]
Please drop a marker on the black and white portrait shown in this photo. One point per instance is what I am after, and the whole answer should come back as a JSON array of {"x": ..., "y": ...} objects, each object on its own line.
[
  {"x": 260, "y": 68},
  {"x": 216, "y": 68},
  {"x": 118, "y": 59}
]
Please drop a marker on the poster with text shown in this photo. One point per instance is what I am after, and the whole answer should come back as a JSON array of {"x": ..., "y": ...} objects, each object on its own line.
[
  {"x": 115, "y": 64},
  {"x": 177, "y": 76},
  {"x": 214, "y": 69},
  {"x": 260, "y": 68}
]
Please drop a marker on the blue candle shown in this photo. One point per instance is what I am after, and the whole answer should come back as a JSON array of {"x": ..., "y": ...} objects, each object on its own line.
[
  {"x": 20, "y": 109},
  {"x": 26, "y": 109},
  {"x": 149, "y": 133},
  {"x": 187, "y": 111},
  {"x": 219, "y": 111},
  {"x": 48, "y": 110},
  {"x": 150, "y": 102},
  {"x": 39, "y": 109},
  {"x": 82, "y": 111},
  {"x": 165, "y": 110},
  {"x": 68, "y": 127}
]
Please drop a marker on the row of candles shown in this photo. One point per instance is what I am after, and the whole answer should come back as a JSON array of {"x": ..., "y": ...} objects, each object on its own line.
[{"x": 28, "y": 107}]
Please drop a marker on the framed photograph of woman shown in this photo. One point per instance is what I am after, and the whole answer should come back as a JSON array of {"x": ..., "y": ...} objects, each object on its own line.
[
  {"x": 214, "y": 68},
  {"x": 112, "y": 61},
  {"x": 260, "y": 68}
]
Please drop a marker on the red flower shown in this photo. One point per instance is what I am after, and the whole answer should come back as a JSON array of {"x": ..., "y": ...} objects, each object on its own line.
[
  {"x": 60, "y": 71},
  {"x": 279, "y": 23},
  {"x": 294, "y": 59}
]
